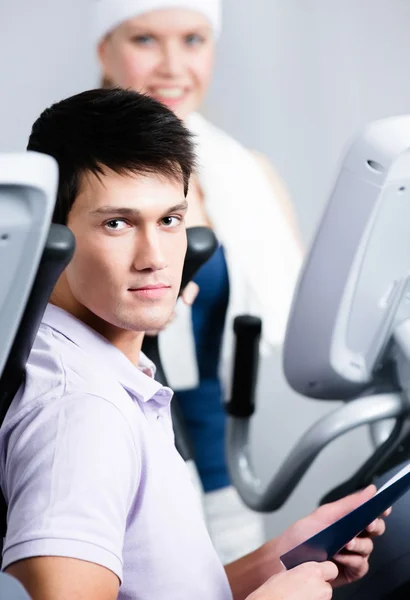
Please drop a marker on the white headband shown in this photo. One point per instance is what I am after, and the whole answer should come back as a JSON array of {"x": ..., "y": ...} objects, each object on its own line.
[{"x": 108, "y": 14}]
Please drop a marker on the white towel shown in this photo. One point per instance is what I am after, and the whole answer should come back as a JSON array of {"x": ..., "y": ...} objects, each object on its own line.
[{"x": 262, "y": 254}]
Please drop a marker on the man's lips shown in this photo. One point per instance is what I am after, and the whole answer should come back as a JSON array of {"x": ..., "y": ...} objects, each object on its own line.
[{"x": 154, "y": 291}]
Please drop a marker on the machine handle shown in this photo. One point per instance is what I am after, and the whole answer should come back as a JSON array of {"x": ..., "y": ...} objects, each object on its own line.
[
  {"x": 248, "y": 331},
  {"x": 57, "y": 253},
  {"x": 202, "y": 243}
]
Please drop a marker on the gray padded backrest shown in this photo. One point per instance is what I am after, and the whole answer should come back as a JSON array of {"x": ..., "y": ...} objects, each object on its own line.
[
  {"x": 28, "y": 185},
  {"x": 28, "y": 182}
]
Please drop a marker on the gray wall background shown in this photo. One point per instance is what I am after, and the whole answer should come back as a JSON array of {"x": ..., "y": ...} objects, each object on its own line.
[{"x": 294, "y": 79}]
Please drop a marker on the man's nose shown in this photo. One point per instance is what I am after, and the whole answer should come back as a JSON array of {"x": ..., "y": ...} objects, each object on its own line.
[{"x": 149, "y": 254}]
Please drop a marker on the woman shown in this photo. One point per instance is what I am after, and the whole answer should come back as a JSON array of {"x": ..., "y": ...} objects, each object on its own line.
[{"x": 165, "y": 48}]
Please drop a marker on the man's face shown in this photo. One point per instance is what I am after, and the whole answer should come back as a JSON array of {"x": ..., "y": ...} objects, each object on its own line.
[{"x": 130, "y": 249}]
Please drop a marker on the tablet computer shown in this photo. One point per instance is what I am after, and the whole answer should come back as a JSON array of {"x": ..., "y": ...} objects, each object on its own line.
[{"x": 328, "y": 542}]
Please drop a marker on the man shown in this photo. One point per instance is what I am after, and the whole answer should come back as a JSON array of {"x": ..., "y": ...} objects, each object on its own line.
[{"x": 100, "y": 503}]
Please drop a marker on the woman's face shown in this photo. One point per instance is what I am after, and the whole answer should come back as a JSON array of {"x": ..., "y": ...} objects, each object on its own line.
[{"x": 167, "y": 54}]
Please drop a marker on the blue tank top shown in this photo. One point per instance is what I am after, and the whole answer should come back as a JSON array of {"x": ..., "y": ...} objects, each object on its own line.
[{"x": 202, "y": 407}]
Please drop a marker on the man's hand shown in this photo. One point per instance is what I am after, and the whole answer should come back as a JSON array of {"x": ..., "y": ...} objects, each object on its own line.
[
  {"x": 306, "y": 582},
  {"x": 247, "y": 574},
  {"x": 352, "y": 561}
]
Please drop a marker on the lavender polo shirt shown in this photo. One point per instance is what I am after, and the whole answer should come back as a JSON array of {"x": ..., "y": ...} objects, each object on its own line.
[{"x": 89, "y": 469}]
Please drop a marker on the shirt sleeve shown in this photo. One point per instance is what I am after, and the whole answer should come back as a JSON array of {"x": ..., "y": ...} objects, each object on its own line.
[{"x": 71, "y": 474}]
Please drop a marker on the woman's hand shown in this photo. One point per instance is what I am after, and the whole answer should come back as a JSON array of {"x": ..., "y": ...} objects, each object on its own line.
[
  {"x": 189, "y": 293},
  {"x": 310, "y": 581}
]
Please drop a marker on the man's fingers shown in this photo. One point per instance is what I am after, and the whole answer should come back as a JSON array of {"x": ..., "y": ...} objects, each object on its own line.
[
  {"x": 342, "y": 507},
  {"x": 361, "y": 496},
  {"x": 378, "y": 527},
  {"x": 329, "y": 571},
  {"x": 353, "y": 563},
  {"x": 360, "y": 545}
]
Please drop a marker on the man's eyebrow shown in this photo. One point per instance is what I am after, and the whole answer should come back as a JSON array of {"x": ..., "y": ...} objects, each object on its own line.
[
  {"x": 134, "y": 212},
  {"x": 118, "y": 210},
  {"x": 178, "y": 207}
]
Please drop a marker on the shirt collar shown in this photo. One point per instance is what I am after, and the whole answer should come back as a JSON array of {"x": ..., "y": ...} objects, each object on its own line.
[{"x": 139, "y": 381}]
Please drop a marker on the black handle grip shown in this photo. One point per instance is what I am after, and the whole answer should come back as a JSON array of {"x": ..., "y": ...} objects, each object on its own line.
[
  {"x": 202, "y": 243},
  {"x": 248, "y": 332}
]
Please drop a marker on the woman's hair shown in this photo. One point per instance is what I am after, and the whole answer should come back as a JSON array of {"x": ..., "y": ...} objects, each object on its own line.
[{"x": 111, "y": 129}]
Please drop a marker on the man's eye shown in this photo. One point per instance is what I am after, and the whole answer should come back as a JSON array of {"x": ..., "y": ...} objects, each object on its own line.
[
  {"x": 115, "y": 224},
  {"x": 171, "y": 221}
]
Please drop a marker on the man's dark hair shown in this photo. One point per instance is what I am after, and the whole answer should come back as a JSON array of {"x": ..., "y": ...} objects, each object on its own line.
[{"x": 111, "y": 129}]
